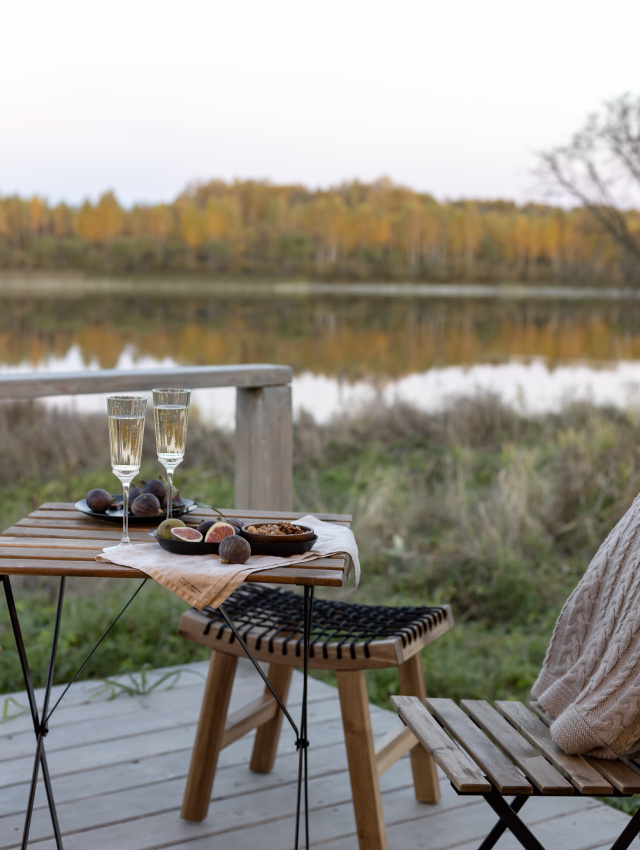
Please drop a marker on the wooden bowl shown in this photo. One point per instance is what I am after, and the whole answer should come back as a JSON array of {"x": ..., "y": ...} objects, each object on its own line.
[{"x": 255, "y": 536}]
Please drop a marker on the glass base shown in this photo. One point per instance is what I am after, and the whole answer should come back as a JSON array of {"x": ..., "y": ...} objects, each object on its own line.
[{"x": 124, "y": 544}]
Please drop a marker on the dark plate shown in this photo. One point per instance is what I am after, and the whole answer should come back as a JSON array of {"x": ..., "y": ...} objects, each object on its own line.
[
  {"x": 184, "y": 547},
  {"x": 115, "y": 514}
]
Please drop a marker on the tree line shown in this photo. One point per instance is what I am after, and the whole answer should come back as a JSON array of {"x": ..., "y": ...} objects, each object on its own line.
[{"x": 354, "y": 231}]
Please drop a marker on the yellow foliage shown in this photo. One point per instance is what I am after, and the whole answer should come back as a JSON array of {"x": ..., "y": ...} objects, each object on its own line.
[{"x": 359, "y": 228}]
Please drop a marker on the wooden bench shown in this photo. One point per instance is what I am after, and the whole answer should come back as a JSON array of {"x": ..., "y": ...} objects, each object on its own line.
[{"x": 506, "y": 750}]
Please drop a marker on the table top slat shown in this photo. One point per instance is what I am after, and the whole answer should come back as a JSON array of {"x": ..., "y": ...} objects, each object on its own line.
[
  {"x": 51, "y": 567},
  {"x": 56, "y": 548},
  {"x": 537, "y": 769},
  {"x": 106, "y": 532},
  {"x": 91, "y": 544},
  {"x": 506, "y": 777},
  {"x": 298, "y": 575},
  {"x": 240, "y": 513},
  {"x": 51, "y": 553},
  {"x": 579, "y": 772}
]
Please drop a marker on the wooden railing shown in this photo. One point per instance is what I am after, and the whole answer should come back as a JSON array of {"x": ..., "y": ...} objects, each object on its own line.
[{"x": 264, "y": 426}]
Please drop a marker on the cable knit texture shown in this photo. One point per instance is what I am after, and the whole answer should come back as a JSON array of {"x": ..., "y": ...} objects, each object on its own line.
[{"x": 589, "y": 685}]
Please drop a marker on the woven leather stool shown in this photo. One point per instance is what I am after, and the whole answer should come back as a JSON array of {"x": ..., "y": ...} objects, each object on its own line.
[{"x": 347, "y": 638}]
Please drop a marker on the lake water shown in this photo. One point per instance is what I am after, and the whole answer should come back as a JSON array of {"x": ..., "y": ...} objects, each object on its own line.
[{"x": 423, "y": 345}]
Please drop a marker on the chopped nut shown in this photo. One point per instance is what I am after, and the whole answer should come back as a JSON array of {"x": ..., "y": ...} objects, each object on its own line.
[{"x": 277, "y": 529}]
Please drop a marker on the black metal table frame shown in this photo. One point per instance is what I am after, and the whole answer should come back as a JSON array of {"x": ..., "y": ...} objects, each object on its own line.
[
  {"x": 509, "y": 819},
  {"x": 41, "y": 719}
]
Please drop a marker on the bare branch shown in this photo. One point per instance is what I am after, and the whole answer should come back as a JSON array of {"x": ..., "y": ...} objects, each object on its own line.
[{"x": 600, "y": 168}]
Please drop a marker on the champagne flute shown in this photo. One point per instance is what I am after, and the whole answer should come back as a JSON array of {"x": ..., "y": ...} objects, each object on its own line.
[
  {"x": 126, "y": 429},
  {"x": 171, "y": 415}
]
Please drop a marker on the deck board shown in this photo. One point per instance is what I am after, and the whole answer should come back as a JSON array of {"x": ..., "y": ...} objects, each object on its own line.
[{"x": 119, "y": 769}]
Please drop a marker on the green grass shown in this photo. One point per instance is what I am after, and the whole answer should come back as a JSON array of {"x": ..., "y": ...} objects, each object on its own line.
[{"x": 496, "y": 513}]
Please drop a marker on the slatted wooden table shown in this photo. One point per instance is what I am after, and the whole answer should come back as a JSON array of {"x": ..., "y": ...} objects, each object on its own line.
[
  {"x": 505, "y": 749},
  {"x": 58, "y": 540}
]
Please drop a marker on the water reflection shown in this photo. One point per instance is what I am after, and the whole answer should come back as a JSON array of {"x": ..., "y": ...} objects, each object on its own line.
[{"x": 344, "y": 350}]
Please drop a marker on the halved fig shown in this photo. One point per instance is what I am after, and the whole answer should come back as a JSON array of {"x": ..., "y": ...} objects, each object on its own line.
[
  {"x": 191, "y": 535},
  {"x": 218, "y": 531}
]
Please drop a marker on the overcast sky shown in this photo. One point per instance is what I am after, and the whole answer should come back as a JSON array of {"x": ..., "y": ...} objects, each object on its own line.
[{"x": 453, "y": 98}]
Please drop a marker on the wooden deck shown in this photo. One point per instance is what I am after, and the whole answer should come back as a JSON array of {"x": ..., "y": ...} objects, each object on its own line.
[{"x": 119, "y": 768}]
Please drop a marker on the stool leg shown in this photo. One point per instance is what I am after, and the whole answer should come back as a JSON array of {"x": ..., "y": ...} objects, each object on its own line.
[
  {"x": 206, "y": 748},
  {"x": 363, "y": 769},
  {"x": 267, "y": 736},
  {"x": 425, "y": 775}
]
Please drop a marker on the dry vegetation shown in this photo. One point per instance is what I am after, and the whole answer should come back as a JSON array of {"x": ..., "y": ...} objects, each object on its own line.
[{"x": 497, "y": 513}]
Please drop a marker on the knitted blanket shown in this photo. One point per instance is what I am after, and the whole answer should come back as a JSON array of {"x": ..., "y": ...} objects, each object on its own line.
[{"x": 589, "y": 685}]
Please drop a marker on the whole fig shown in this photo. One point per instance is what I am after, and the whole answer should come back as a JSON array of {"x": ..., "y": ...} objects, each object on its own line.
[
  {"x": 134, "y": 492},
  {"x": 208, "y": 523},
  {"x": 234, "y": 550},
  {"x": 164, "y": 529},
  {"x": 205, "y": 526},
  {"x": 146, "y": 505},
  {"x": 99, "y": 500},
  {"x": 176, "y": 500},
  {"x": 156, "y": 487},
  {"x": 236, "y": 522}
]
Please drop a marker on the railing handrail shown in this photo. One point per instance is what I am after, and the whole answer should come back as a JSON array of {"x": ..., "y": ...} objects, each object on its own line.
[
  {"x": 264, "y": 421},
  {"x": 42, "y": 384}
]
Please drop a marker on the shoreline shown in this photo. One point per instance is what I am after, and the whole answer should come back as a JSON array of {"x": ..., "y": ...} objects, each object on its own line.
[{"x": 75, "y": 285}]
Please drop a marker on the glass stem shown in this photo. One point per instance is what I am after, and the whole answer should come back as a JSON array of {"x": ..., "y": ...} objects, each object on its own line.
[
  {"x": 125, "y": 511},
  {"x": 170, "y": 496}
]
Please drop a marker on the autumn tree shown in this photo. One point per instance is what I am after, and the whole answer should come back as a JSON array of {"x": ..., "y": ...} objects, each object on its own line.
[{"x": 109, "y": 218}]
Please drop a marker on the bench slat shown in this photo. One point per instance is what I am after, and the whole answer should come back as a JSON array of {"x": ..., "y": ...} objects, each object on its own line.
[
  {"x": 500, "y": 770},
  {"x": 538, "y": 770},
  {"x": 463, "y": 773},
  {"x": 623, "y": 778},
  {"x": 579, "y": 772},
  {"x": 618, "y": 773}
]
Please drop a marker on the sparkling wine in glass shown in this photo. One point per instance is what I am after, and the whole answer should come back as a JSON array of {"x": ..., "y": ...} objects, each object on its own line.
[
  {"x": 126, "y": 429},
  {"x": 171, "y": 415}
]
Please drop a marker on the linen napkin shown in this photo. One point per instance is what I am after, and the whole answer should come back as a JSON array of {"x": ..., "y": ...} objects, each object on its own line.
[{"x": 203, "y": 580}]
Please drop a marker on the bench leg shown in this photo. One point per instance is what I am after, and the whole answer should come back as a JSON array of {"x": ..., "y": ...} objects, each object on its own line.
[
  {"x": 509, "y": 816},
  {"x": 267, "y": 736},
  {"x": 363, "y": 770},
  {"x": 628, "y": 833},
  {"x": 425, "y": 775},
  {"x": 207, "y": 745}
]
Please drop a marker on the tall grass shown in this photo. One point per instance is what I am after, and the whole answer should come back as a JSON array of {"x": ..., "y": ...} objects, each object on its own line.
[{"x": 497, "y": 513}]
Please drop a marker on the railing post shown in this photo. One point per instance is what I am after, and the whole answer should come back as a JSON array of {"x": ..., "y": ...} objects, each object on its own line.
[{"x": 264, "y": 448}]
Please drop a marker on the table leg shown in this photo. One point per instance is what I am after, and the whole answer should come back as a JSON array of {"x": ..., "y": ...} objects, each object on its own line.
[
  {"x": 40, "y": 728},
  {"x": 302, "y": 744}
]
